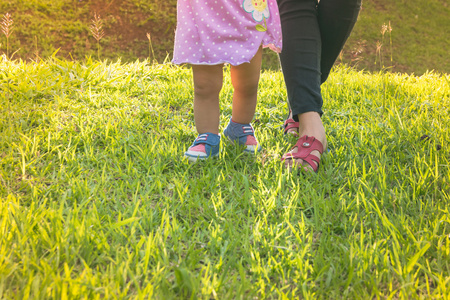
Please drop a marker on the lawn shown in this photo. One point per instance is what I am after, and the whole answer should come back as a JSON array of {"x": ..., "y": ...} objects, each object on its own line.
[{"x": 97, "y": 202}]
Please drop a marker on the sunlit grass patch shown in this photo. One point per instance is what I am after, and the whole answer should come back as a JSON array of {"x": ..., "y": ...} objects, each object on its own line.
[{"x": 97, "y": 201}]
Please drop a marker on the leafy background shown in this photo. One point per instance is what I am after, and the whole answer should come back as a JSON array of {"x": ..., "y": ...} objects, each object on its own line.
[{"x": 419, "y": 32}]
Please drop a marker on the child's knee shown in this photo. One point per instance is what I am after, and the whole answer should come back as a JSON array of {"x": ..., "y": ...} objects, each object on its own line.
[
  {"x": 207, "y": 86},
  {"x": 248, "y": 87}
]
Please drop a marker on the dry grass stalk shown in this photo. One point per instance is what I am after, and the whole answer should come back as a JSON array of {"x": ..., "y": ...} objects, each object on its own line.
[
  {"x": 7, "y": 29},
  {"x": 389, "y": 28},
  {"x": 36, "y": 51},
  {"x": 7, "y": 23},
  {"x": 357, "y": 51},
  {"x": 97, "y": 31},
  {"x": 384, "y": 28},
  {"x": 150, "y": 48},
  {"x": 378, "y": 54}
]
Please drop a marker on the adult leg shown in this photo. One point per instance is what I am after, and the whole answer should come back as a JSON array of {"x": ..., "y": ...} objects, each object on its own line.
[
  {"x": 208, "y": 82},
  {"x": 300, "y": 60},
  {"x": 300, "y": 57},
  {"x": 336, "y": 21}
]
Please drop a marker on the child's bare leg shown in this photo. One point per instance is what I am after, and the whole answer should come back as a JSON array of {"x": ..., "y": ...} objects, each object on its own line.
[
  {"x": 207, "y": 85},
  {"x": 245, "y": 80}
]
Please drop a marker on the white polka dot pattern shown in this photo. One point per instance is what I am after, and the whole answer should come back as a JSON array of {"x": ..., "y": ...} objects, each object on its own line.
[{"x": 212, "y": 32}]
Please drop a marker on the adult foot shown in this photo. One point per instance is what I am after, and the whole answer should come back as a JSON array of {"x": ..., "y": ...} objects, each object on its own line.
[{"x": 310, "y": 125}]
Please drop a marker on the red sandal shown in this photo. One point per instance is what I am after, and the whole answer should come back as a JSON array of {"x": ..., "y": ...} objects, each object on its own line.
[
  {"x": 305, "y": 145},
  {"x": 291, "y": 124}
]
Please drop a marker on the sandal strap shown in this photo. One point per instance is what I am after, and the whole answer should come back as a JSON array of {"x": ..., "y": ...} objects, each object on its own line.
[
  {"x": 289, "y": 124},
  {"x": 305, "y": 145}
]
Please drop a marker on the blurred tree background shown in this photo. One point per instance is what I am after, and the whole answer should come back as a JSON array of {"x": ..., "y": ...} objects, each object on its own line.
[{"x": 400, "y": 36}]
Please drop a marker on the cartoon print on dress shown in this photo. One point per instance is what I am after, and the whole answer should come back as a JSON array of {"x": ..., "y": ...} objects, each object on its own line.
[{"x": 259, "y": 10}]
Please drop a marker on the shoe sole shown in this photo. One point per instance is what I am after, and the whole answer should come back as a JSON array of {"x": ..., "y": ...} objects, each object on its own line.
[{"x": 194, "y": 159}]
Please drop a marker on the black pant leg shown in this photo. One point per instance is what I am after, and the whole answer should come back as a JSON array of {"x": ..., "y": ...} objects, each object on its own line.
[
  {"x": 301, "y": 53},
  {"x": 336, "y": 21}
]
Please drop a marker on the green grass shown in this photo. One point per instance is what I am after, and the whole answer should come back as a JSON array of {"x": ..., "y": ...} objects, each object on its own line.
[{"x": 96, "y": 201}]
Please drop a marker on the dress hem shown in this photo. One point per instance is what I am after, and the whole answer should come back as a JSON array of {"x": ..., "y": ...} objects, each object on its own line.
[{"x": 224, "y": 61}]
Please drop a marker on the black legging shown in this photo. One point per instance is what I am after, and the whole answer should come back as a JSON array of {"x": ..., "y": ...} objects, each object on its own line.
[{"x": 313, "y": 36}]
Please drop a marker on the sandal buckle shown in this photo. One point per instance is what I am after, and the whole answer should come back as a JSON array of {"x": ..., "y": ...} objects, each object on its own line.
[{"x": 306, "y": 144}]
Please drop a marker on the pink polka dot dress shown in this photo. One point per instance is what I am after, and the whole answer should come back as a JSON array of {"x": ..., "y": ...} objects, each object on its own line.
[{"x": 211, "y": 32}]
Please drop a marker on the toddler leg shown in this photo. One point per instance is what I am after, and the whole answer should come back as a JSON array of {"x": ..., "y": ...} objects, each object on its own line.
[
  {"x": 245, "y": 80},
  {"x": 207, "y": 85}
]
